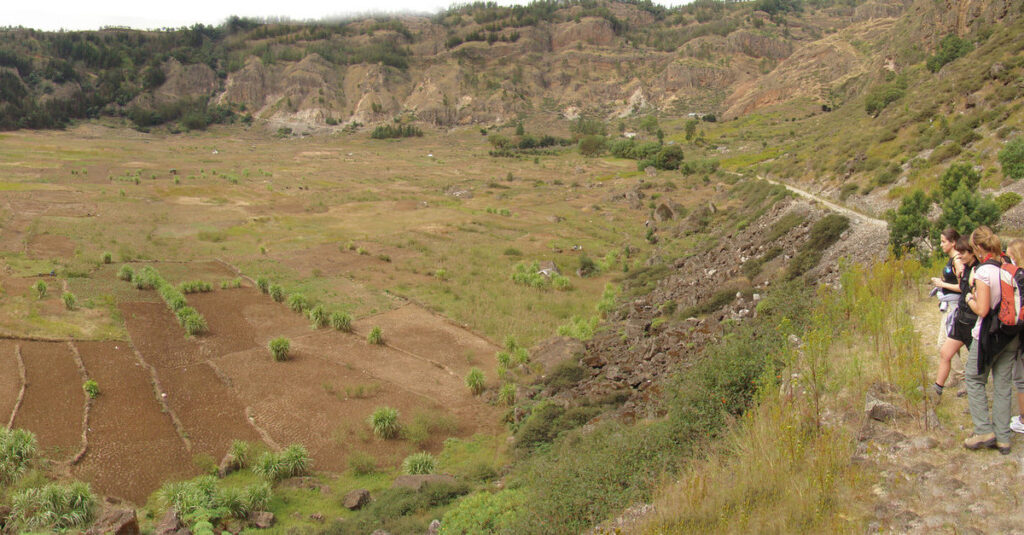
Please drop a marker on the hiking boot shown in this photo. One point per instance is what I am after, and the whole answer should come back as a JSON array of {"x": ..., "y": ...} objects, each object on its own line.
[
  {"x": 1016, "y": 425},
  {"x": 976, "y": 442},
  {"x": 1004, "y": 449}
]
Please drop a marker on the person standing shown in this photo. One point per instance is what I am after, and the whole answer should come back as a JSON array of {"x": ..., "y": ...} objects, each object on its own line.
[{"x": 991, "y": 352}]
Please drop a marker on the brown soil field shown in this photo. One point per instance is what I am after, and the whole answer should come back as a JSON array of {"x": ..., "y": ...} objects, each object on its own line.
[
  {"x": 212, "y": 415},
  {"x": 133, "y": 447},
  {"x": 418, "y": 331},
  {"x": 10, "y": 380},
  {"x": 54, "y": 399},
  {"x": 41, "y": 246},
  {"x": 156, "y": 334},
  {"x": 242, "y": 318}
]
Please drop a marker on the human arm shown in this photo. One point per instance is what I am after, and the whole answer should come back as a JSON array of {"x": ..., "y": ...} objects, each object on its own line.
[
  {"x": 978, "y": 300},
  {"x": 937, "y": 282}
]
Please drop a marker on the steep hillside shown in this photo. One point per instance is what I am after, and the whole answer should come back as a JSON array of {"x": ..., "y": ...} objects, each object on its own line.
[{"x": 472, "y": 64}]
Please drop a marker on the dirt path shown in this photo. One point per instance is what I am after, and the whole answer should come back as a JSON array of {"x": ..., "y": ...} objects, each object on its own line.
[
  {"x": 854, "y": 215},
  {"x": 927, "y": 482}
]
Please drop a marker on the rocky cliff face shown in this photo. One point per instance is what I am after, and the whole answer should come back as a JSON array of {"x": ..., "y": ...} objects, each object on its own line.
[{"x": 584, "y": 65}]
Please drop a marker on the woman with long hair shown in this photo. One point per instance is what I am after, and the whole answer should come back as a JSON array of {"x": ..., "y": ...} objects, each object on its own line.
[
  {"x": 961, "y": 318},
  {"x": 990, "y": 352}
]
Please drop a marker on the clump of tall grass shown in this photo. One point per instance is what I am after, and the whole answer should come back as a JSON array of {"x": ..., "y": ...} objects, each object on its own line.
[
  {"x": 507, "y": 394},
  {"x": 376, "y": 336},
  {"x": 40, "y": 288},
  {"x": 419, "y": 463},
  {"x": 52, "y": 507},
  {"x": 384, "y": 422},
  {"x": 91, "y": 388},
  {"x": 276, "y": 292},
  {"x": 293, "y": 461},
  {"x": 231, "y": 283},
  {"x": 475, "y": 381},
  {"x": 126, "y": 273},
  {"x": 17, "y": 449},
  {"x": 279, "y": 348},
  {"x": 341, "y": 321},
  {"x": 318, "y": 316},
  {"x": 200, "y": 501},
  {"x": 193, "y": 322},
  {"x": 263, "y": 284},
  {"x": 298, "y": 303},
  {"x": 195, "y": 286},
  {"x": 69, "y": 300},
  {"x": 107, "y": 258}
]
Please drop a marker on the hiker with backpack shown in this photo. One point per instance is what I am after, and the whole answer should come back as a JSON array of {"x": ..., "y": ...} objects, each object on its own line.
[
  {"x": 1016, "y": 253},
  {"x": 995, "y": 343},
  {"x": 961, "y": 318}
]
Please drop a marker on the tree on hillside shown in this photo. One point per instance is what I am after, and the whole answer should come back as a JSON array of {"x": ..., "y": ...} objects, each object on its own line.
[
  {"x": 966, "y": 210},
  {"x": 957, "y": 175},
  {"x": 1012, "y": 158},
  {"x": 909, "y": 222}
]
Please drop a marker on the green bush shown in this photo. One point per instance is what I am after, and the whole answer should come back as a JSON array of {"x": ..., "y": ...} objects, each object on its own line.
[
  {"x": 966, "y": 210},
  {"x": 1011, "y": 158},
  {"x": 126, "y": 273},
  {"x": 376, "y": 336},
  {"x": 419, "y": 463},
  {"x": 276, "y": 293},
  {"x": 475, "y": 381},
  {"x": 565, "y": 375},
  {"x": 1007, "y": 200},
  {"x": 263, "y": 284},
  {"x": 592, "y": 145},
  {"x": 882, "y": 95},
  {"x": 824, "y": 233},
  {"x": 384, "y": 422},
  {"x": 69, "y": 300},
  {"x": 40, "y": 288},
  {"x": 92, "y": 389},
  {"x": 107, "y": 258},
  {"x": 950, "y": 48},
  {"x": 341, "y": 321},
  {"x": 485, "y": 512},
  {"x": 52, "y": 507},
  {"x": 579, "y": 328},
  {"x": 174, "y": 299},
  {"x": 298, "y": 303},
  {"x": 17, "y": 449},
  {"x": 279, "y": 348},
  {"x": 318, "y": 316},
  {"x": 229, "y": 284},
  {"x": 547, "y": 421}
]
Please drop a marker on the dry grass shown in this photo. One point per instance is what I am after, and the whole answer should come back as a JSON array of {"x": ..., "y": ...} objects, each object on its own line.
[{"x": 785, "y": 468}]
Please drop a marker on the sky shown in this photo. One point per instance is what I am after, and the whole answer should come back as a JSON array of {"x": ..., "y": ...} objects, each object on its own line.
[{"x": 151, "y": 14}]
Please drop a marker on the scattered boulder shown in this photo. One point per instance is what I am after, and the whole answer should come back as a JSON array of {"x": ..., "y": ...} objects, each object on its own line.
[
  {"x": 115, "y": 521},
  {"x": 881, "y": 411},
  {"x": 262, "y": 519},
  {"x": 434, "y": 528},
  {"x": 664, "y": 213},
  {"x": 171, "y": 524},
  {"x": 227, "y": 465},
  {"x": 650, "y": 170},
  {"x": 416, "y": 482},
  {"x": 356, "y": 499},
  {"x": 548, "y": 268},
  {"x": 557, "y": 349}
]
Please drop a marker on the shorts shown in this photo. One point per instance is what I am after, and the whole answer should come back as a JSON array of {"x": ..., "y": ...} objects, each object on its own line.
[{"x": 960, "y": 331}]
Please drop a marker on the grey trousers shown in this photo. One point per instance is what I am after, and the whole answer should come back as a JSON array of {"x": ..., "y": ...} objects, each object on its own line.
[{"x": 1001, "y": 368}]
